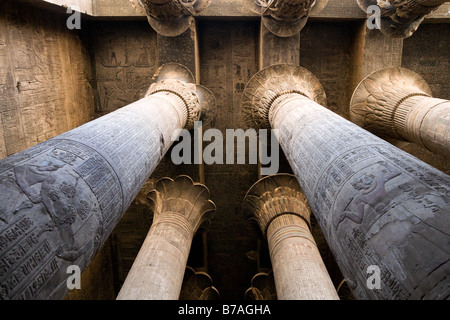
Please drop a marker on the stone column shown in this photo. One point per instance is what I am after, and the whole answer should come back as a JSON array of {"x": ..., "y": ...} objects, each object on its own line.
[
  {"x": 283, "y": 214},
  {"x": 384, "y": 213},
  {"x": 60, "y": 200},
  {"x": 401, "y": 18},
  {"x": 180, "y": 207},
  {"x": 397, "y": 103},
  {"x": 286, "y": 18},
  {"x": 170, "y": 18}
]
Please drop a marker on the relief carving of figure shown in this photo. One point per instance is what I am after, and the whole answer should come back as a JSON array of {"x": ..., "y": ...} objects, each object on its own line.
[
  {"x": 288, "y": 9},
  {"x": 372, "y": 193},
  {"x": 57, "y": 192}
]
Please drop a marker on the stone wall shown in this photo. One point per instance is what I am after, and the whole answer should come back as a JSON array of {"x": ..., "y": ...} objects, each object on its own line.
[{"x": 45, "y": 78}]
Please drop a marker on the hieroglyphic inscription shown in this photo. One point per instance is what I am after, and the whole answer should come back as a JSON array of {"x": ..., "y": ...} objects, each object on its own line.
[
  {"x": 376, "y": 204},
  {"x": 229, "y": 59},
  {"x": 42, "y": 94},
  {"x": 57, "y": 211}
]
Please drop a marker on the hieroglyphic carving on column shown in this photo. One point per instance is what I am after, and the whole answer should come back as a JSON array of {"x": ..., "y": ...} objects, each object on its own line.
[
  {"x": 262, "y": 287},
  {"x": 170, "y": 17},
  {"x": 60, "y": 200},
  {"x": 401, "y": 18},
  {"x": 377, "y": 205},
  {"x": 180, "y": 207},
  {"x": 286, "y": 18},
  {"x": 283, "y": 214},
  {"x": 397, "y": 103},
  {"x": 198, "y": 285}
]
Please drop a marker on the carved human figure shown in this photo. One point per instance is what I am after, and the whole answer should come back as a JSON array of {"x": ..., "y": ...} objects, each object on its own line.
[
  {"x": 286, "y": 18},
  {"x": 373, "y": 193},
  {"x": 400, "y": 222},
  {"x": 29, "y": 175}
]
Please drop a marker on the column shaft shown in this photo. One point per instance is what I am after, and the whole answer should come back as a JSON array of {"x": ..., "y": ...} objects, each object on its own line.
[{"x": 376, "y": 204}]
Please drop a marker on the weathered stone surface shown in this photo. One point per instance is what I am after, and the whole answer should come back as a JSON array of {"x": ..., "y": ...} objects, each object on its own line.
[
  {"x": 262, "y": 287},
  {"x": 124, "y": 59},
  {"x": 397, "y": 102},
  {"x": 286, "y": 18},
  {"x": 42, "y": 95},
  {"x": 180, "y": 207},
  {"x": 376, "y": 204},
  {"x": 276, "y": 50},
  {"x": 60, "y": 200},
  {"x": 170, "y": 17},
  {"x": 229, "y": 59},
  {"x": 283, "y": 214},
  {"x": 198, "y": 285}
]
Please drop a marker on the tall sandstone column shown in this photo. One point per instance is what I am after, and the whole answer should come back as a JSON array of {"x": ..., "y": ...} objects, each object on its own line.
[
  {"x": 60, "y": 200},
  {"x": 180, "y": 207},
  {"x": 283, "y": 214},
  {"x": 170, "y": 18},
  {"x": 380, "y": 208},
  {"x": 397, "y": 103}
]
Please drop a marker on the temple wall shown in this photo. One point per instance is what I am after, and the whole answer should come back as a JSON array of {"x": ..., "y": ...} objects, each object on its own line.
[{"x": 45, "y": 75}]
